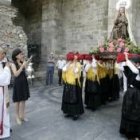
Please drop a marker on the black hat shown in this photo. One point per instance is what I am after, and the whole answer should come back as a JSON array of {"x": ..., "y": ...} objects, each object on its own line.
[{"x": 15, "y": 53}]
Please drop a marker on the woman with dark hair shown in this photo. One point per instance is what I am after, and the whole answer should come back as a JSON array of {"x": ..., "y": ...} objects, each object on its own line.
[
  {"x": 20, "y": 87},
  {"x": 130, "y": 120}
]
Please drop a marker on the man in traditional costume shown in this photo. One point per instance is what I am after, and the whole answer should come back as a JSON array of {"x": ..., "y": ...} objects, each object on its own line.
[{"x": 5, "y": 76}]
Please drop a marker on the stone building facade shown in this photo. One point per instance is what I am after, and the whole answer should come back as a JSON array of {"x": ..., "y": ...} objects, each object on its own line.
[
  {"x": 11, "y": 35},
  {"x": 60, "y": 26},
  {"x": 74, "y": 25}
]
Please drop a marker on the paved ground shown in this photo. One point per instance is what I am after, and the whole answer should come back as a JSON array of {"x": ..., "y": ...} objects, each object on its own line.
[{"x": 46, "y": 121}]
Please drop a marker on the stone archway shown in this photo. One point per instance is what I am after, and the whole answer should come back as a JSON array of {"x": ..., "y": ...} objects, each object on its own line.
[{"x": 29, "y": 17}]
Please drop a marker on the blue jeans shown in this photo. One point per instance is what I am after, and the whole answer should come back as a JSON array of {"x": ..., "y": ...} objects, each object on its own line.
[{"x": 49, "y": 76}]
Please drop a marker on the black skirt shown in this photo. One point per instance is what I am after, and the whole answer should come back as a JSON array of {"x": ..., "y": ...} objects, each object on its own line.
[
  {"x": 130, "y": 121},
  {"x": 104, "y": 89},
  {"x": 114, "y": 88},
  {"x": 71, "y": 104},
  {"x": 92, "y": 99}
]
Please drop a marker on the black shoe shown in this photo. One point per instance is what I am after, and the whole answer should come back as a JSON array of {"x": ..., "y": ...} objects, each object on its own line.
[
  {"x": 67, "y": 115},
  {"x": 60, "y": 84},
  {"x": 11, "y": 130},
  {"x": 75, "y": 117},
  {"x": 88, "y": 107}
]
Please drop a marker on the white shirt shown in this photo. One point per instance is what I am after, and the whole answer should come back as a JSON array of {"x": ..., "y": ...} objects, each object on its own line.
[
  {"x": 133, "y": 69},
  {"x": 5, "y": 76},
  {"x": 60, "y": 64},
  {"x": 94, "y": 63}
]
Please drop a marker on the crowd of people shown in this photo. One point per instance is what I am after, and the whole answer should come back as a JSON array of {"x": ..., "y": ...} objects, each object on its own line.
[
  {"x": 87, "y": 83},
  {"x": 99, "y": 79},
  {"x": 101, "y": 82}
]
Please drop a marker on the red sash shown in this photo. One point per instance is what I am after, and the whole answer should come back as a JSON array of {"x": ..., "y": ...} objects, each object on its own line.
[{"x": 1, "y": 123}]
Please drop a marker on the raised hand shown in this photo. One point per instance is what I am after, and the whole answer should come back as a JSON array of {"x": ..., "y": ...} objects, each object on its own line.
[{"x": 126, "y": 55}]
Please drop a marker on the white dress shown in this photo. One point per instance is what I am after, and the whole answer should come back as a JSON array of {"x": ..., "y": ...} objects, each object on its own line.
[{"x": 5, "y": 76}]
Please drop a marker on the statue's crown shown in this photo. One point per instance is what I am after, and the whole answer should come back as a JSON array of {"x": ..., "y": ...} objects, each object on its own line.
[{"x": 123, "y": 4}]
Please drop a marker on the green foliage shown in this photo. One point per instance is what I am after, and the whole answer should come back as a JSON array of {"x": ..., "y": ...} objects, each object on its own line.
[
  {"x": 106, "y": 42},
  {"x": 132, "y": 47},
  {"x": 93, "y": 50}
]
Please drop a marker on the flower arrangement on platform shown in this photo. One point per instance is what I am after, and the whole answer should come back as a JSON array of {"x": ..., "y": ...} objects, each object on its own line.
[
  {"x": 118, "y": 46},
  {"x": 115, "y": 49}
]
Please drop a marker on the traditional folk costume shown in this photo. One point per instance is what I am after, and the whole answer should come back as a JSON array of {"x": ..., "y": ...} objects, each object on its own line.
[
  {"x": 72, "y": 103},
  {"x": 85, "y": 62},
  {"x": 130, "y": 120},
  {"x": 104, "y": 81},
  {"x": 114, "y": 86},
  {"x": 5, "y": 77},
  {"x": 82, "y": 73},
  {"x": 116, "y": 83},
  {"x": 92, "y": 94},
  {"x": 122, "y": 77}
]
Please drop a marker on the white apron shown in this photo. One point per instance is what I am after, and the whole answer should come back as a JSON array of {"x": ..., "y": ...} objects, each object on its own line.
[{"x": 5, "y": 76}]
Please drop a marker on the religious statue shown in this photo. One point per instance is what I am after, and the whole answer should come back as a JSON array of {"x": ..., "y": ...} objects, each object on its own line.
[{"x": 120, "y": 29}]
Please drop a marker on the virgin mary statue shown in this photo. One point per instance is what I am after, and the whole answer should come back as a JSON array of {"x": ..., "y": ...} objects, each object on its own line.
[{"x": 123, "y": 24}]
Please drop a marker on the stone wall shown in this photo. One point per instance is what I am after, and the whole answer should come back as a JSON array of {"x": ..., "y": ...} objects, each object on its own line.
[
  {"x": 60, "y": 26},
  {"x": 74, "y": 25},
  {"x": 136, "y": 20},
  {"x": 85, "y": 23},
  {"x": 66, "y": 25},
  {"x": 52, "y": 29},
  {"x": 11, "y": 36}
]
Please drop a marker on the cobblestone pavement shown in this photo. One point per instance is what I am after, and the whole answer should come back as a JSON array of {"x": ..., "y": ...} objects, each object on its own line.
[{"x": 46, "y": 120}]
